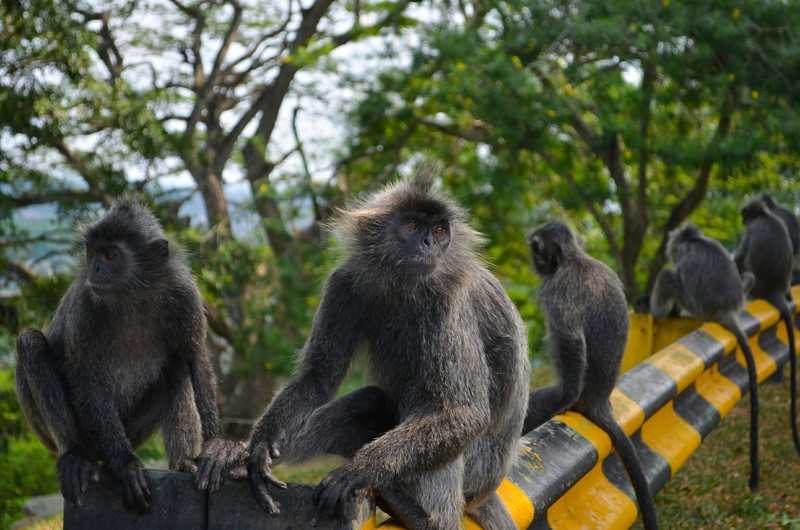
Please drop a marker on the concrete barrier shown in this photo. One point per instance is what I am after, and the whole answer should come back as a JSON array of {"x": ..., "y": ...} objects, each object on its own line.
[{"x": 566, "y": 475}]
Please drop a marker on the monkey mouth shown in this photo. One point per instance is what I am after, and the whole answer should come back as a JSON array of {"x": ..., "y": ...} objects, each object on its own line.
[
  {"x": 100, "y": 288},
  {"x": 424, "y": 264}
]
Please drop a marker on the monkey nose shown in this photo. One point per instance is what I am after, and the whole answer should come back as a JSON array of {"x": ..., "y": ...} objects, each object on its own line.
[{"x": 428, "y": 241}]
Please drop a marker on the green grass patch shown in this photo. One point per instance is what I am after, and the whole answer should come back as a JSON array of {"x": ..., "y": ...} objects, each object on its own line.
[{"x": 710, "y": 490}]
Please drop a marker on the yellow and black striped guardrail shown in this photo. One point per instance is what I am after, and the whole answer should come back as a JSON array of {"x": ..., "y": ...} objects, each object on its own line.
[{"x": 566, "y": 475}]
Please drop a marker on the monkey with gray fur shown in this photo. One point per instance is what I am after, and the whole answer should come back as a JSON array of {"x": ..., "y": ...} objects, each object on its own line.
[
  {"x": 766, "y": 252},
  {"x": 793, "y": 228},
  {"x": 587, "y": 330},
  {"x": 123, "y": 356},
  {"x": 789, "y": 219},
  {"x": 447, "y": 351},
  {"x": 706, "y": 284}
]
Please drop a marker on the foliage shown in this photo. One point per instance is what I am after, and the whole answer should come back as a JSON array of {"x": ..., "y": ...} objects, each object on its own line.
[
  {"x": 622, "y": 116},
  {"x": 26, "y": 467},
  {"x": 710, "y": 490}
]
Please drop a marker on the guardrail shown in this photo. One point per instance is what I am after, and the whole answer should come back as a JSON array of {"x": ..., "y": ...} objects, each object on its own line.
[{"x": 566, "y": 474}]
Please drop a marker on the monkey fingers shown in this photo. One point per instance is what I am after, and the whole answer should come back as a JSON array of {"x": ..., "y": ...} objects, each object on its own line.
[
  {"x": 76, "y": 468},
  {"x": 260, "y": 473},
  {"x": 337, "y": 493},
  {"x": 135, "y": 491},
  {"x": 221, "y": 459},
  {"x": 238, "y": 473},
  {"x": 187, "y": 465}
]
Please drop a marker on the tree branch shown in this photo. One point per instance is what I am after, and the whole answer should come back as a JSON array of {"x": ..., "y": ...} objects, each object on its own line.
[{"x": 693, "y": 197}]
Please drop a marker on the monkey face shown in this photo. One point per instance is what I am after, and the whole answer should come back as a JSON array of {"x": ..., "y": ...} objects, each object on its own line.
[
  {"x": 543, "y": 254},
  {"x": 106, "y": 265},
  {"x": 548, "y": 244},
  {"x": 753, "y": 209},
  {"x": 422, "y": 239}
]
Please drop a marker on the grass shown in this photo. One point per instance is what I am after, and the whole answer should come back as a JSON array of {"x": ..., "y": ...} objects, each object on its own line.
[{"x": 710, "y": 491}]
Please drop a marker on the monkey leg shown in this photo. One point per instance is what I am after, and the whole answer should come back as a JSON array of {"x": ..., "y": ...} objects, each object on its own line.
[
  {"x": 42, "y": 394},
  {"x": 432, "y": 500},
  {"x": 493, "y": 515},
  {"x": 569, "y": 354},
  {"x": 44, "y": 401},
  {"x": 666, "y": 291},
  {"x": 342, "y": 426}
]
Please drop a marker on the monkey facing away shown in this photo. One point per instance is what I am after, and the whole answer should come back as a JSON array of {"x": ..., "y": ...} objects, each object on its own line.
[
  {"x": 123, "y": 356},
  {"x": 706, "y": 284},
  {"x": 447, "y": 351},
  {"x": 587, "y": 330},
  {"x": 766, "y": 252}
]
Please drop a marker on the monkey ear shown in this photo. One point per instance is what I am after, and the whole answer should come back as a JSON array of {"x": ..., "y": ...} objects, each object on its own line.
[
  {"x": 160, "y": 249},
  {"x": 537, "y": 244}
]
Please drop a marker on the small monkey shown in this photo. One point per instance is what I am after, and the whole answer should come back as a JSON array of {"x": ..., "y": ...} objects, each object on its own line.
[
  {"x": 587, "y": 330},
  {"x": 766, "y": 252},
  {"x": 125, "y": 355},
  {"x": 706, "y": 284}
]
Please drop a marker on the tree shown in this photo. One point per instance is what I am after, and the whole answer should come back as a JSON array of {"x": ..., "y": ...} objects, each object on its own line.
[
  {"x": 99, "y": 99},
  {"x": 626, "y": 114}
]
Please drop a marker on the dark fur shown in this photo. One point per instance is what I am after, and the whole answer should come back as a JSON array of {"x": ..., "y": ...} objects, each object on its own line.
[
  {"x": 766, "y": 251},
  {"x": 124, "y": 355},
  {"x": 447, "y": 352},
  {"x": 587, "y": 330},
  {"x": 706, "y": 284},
  {"x": 789, "y": 219}
]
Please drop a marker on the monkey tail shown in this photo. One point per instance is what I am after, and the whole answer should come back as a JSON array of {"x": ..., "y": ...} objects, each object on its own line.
[
  {"x": 786, "y": 315},
  {"x": 752, "y": 381},
  {"x": 633, "y": 465}
]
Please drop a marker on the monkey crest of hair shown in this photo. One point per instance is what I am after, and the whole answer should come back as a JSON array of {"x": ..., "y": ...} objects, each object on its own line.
[
  {"x": 366, "y": 225},
  {"x": 128, "y": 220},
  {"x": 131, "y": 225},
  {"x": 686, "y": 233},
  {"x": 768, "y": 200}
]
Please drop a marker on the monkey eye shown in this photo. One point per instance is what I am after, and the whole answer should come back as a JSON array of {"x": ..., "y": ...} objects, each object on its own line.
[
  {"x": 439, "y": 230},
  {"x": 412, "y": 226},
  {"x": 90, "y": 253},
  {"x": 111, "y": 255}
]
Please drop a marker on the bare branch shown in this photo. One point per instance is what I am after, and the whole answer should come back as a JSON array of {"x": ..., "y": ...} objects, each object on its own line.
[
  {"x": 307, "y": 172},
  {"x": 693, "y": 197},
  {"x": 478, "y": 133},
  {"x": 54, "y": 196}
]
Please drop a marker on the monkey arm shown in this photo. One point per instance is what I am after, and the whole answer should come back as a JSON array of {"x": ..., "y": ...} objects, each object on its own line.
[
  {"x": 741, "y": 252},
  {"x": 324, "y": 363},
  {"x": 205, "y": 395},
  {"x": 426, "y": 440},
  {"x": 101, "y": 422},
  {"x": 454, "y": 411}
]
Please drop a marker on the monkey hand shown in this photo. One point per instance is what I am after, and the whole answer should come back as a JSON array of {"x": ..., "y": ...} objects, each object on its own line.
[
  {"x": 135, "y": 491},
  {"x": 76, "y": 468},
  {"x": 340, "y": 493},
  {"x": 259, "y": 470},
  {"x": 187, "y": 465},
  {"x": 221, "y": 459}
]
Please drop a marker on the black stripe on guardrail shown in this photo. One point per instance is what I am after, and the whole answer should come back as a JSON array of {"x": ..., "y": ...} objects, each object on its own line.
[{"x": 648, "y": 386}]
